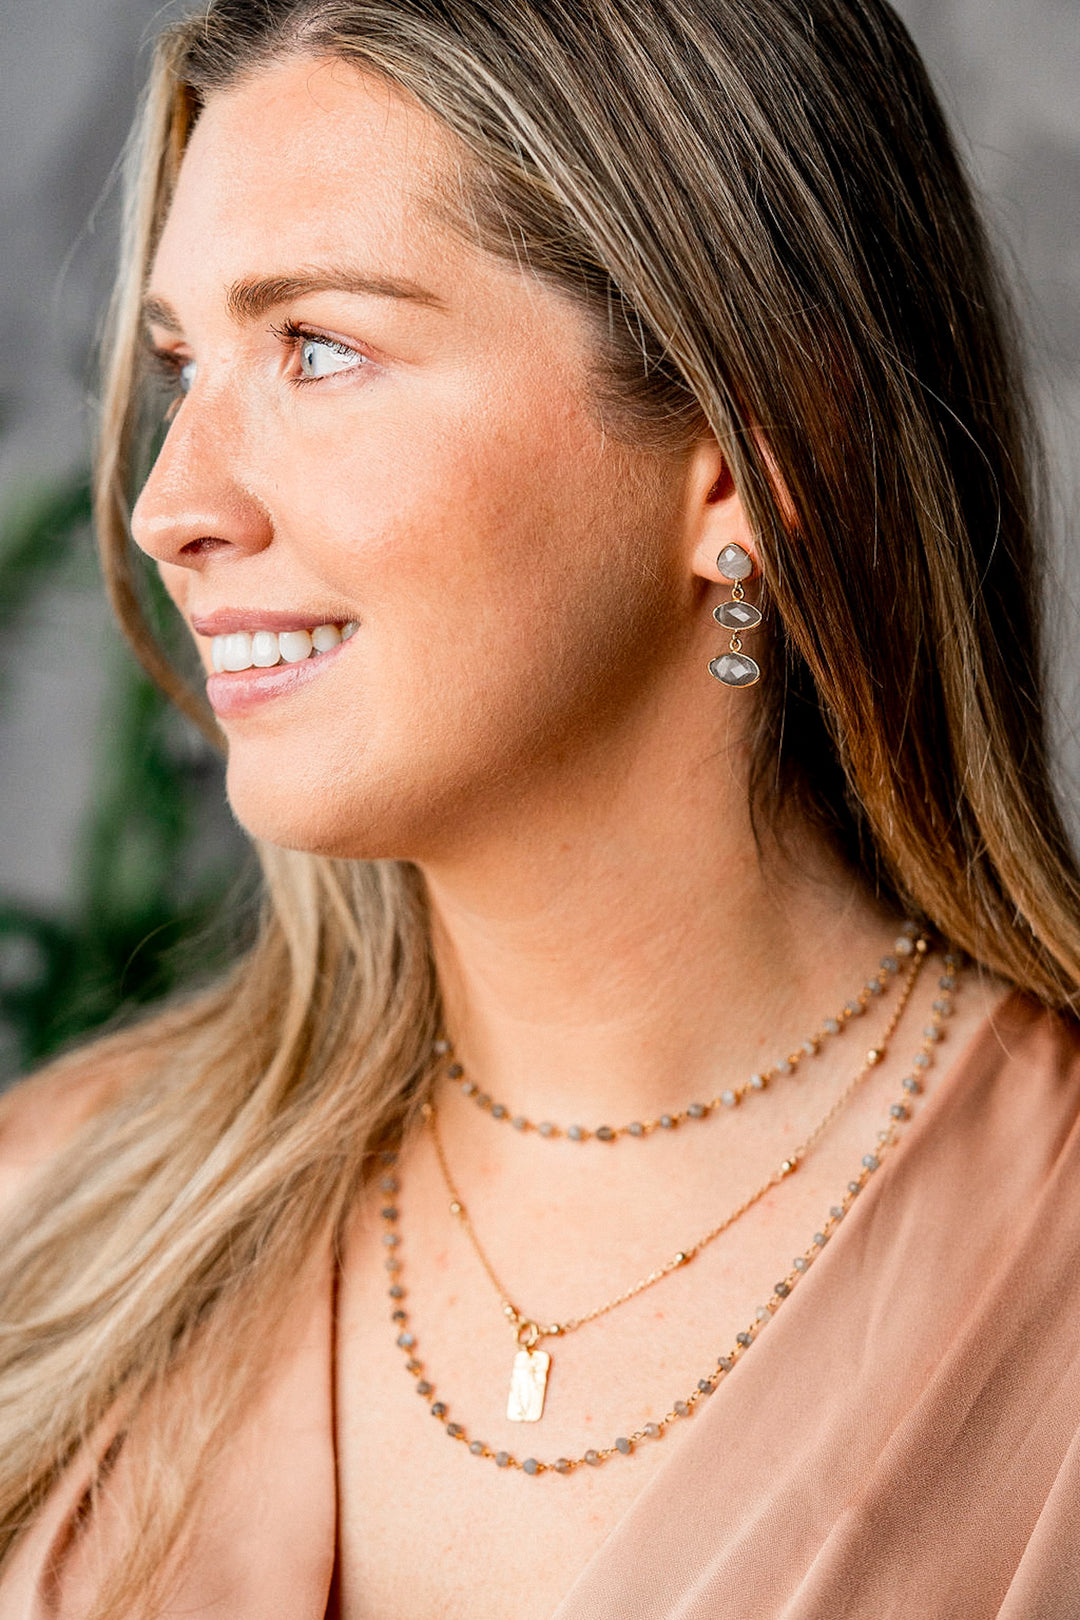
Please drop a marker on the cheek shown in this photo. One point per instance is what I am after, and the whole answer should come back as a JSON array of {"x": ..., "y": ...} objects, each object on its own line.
[{"x": 508, "y": 594}]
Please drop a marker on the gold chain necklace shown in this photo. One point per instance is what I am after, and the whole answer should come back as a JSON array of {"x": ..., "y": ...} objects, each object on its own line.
[
  {"x": 531, "y": 1367},
  {"x": 888, "y": 969},
  {"x": 900, "y": 1112}
]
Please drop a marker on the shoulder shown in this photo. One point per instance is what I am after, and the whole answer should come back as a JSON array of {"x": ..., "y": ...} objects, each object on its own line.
[{"x": 42, "y": 1114}]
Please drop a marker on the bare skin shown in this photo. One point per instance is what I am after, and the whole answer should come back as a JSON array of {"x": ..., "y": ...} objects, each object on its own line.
[{"x": 525, "y": 712}]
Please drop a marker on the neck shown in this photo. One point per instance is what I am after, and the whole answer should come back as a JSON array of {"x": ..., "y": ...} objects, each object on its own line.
[{"x": 645, "y": 953}]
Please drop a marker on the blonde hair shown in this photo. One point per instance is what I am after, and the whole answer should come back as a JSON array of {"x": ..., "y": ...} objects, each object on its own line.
[{"x": 761, "y": 209}]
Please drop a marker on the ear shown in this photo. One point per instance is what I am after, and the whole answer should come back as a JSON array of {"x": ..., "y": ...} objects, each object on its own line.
[{"x": 716, "y": 515}]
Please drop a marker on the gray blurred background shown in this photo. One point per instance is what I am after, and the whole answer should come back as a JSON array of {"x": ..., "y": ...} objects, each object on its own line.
[{"x": 1009, "y": 72}]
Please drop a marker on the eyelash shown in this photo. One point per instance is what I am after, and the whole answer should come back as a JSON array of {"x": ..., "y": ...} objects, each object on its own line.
[{"x": 293, "y": 334}]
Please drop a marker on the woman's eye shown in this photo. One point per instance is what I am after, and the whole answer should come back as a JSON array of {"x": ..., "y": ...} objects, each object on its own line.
[{"x": 320, "y": 357}]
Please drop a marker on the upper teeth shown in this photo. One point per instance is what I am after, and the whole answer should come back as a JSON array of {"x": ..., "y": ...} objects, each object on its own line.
[{"x": 262, "y": 649}]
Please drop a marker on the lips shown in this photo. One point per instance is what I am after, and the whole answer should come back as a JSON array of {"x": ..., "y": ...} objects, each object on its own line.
[{"x": 254, "y": 664}]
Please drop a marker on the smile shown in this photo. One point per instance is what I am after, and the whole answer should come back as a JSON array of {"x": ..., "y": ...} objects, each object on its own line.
[
  {"x": 252, "y": 667},
  {"x": 264, "y": 649}
]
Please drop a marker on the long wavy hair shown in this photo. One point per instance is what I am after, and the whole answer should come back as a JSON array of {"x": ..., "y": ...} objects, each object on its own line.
[{"x": 761, "y": 211}]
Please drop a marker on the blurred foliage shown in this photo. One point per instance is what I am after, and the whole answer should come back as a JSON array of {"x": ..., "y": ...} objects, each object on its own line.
[{"x": 149, "y": 898}]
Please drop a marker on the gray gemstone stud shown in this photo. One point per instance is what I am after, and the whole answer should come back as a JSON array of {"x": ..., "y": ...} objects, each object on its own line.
[
  {"x": 735, "y": 563},
  {"x": 737, "y": 615},
  {"x": 735, "y": 669}
]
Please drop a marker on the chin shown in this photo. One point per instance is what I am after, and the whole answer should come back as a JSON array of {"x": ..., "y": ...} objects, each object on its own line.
[{"x": 345, "y": 812}]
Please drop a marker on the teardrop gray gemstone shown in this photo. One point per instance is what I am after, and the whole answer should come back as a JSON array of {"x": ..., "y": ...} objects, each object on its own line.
[
  {"x": 735, "y": 563},
  {"x": 737, "y": 615},
  {"x": 735, "y": 669}
]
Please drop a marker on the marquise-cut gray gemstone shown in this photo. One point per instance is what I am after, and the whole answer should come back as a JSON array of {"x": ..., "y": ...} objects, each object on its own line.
[
  {"x": 737, "y": 615},
  {"x": 735, "y": 669}
]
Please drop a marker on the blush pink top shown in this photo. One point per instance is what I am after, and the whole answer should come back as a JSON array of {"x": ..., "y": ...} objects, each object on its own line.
[{"x": 902, "y": 1443}]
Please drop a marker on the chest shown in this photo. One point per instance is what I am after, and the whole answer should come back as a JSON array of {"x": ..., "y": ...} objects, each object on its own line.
[{"x": 428, "y": 1529}]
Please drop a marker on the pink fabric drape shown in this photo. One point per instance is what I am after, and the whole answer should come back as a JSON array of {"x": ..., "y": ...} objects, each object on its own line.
[{"x": 900, "y": 1444}]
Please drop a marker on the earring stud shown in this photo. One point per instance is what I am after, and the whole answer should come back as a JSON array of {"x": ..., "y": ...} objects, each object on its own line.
[{"x": 734, "y": 668}]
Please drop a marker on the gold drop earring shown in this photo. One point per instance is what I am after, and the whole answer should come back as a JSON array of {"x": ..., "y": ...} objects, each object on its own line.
[{"x": 734, "y": 668}]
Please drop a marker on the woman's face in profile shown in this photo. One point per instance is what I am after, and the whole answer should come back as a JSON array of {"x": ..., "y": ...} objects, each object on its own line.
[{"x": 385, "y": 428}]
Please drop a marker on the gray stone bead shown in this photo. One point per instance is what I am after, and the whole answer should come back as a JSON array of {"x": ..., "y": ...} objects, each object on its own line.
[
  {"x": 782, "y": 1290},
  {"x": 546, "y": 1129},
  {"x": 455, "y": 1071},
  {"x": 623, "y": 1444},
  {"x": 604, "y": 1133},
  {"x": 593, "y": 1458},
  {"x": 438, "y": 1409},
  {"x": 870, "y": 1161},
  {"x": 477, "y": 1447},
  {"x": 498, "y": 1111},
  {"x": 681, "y": 1409},
  {"x": 705, "y": 1386},
  {"x": 424, "y": 1388},
  {"x": 667, "y": 1121},
  {"x": 406, "y": 1341},
  {"x": 735, "y": 562},
  {"x": 735, "y": 669},
  {"x": 854, "y": 1188},
  {"x": 530, "y": 1466},
  {"x": 469, "y": 1088},
  {"x": 912, "y": 1085},
  {"x": 391, "y": 1240},
  {"x": 737, "y": 616},
  {"x": 923, "y": 1060},
  {"x": 519, "y": 1122},
  {"x": 898, "y": 1111},
  {"x": 397, "y": 1292},
  {"x": 758, "y": 1082},
  {"x": 744, "y": 1338},
  {"x": 696, "y": 1111},
  {"x": 837, "y": 1212},
  {"x": 800, "y": 1263},
  {"x": 389, "y": 1184},
  {"x": 831, "y": 1026},
  {"x": 725, "y": 1364},
  {"x": 576, "y": 1133},
  {"x": 653, "y": 1431},
  {"x": 636, "y": 1128},
  {"x": 502, "y": 1459},
  {"x": 563, "y": 1465},
  {"x": 454, "y": 1430},
  {"x": 728, "y": 1098},
  {"x": 820, "y": 1239}
]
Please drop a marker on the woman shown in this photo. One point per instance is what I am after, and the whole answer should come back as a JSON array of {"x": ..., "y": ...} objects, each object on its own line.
[{"x": 528, "y": 366}]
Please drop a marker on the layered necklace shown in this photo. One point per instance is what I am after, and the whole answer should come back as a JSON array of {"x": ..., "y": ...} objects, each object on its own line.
[{"x": 531, "y": 1365}]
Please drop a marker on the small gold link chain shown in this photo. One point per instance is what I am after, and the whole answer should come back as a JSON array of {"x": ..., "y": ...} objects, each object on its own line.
[{"x": 529, "y": 1329}]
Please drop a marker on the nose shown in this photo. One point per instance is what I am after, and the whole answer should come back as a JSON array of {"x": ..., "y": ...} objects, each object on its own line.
[{"x": 196, "y": 503}]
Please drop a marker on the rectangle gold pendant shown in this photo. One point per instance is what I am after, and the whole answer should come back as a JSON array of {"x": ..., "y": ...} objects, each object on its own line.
[{"x": 528, "y": 1386}]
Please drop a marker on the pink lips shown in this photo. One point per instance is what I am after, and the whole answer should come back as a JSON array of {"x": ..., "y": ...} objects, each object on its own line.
[{"x": 235, "y": 693}]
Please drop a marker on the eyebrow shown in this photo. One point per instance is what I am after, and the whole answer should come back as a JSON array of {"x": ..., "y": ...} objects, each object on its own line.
[{"x": 252, "y": 297}]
